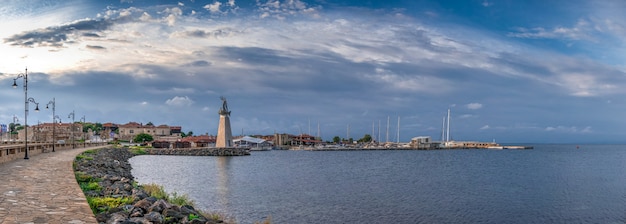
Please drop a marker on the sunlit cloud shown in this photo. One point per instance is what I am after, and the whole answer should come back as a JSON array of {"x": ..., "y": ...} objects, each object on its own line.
[{"x": 179, "y": 101}]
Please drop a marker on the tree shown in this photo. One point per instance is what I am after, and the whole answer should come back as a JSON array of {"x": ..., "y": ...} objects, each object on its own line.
[
  {"x": 14, "y": 127},
  {"x": 87, "y": 126},
  {"x": 336, "y": 139},
  {"x": 366, "y": 138},
  {"x": 189, "y": 134},
  {"x": 143, "y": 137},
  {"x": 149, "y": 123}
]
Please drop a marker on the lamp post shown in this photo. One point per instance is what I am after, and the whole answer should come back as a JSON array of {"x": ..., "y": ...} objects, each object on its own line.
[
  {"x": 26, "y": 100},
  {"x": 72, "y": 116},
  {"x": 53, "y": 103},
  {"x": 83, "y": 130}
]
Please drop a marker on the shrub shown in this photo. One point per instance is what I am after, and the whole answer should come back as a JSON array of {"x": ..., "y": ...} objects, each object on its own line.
[
  {"x": 83, "y": 177},
  {"x": 103, "y": 204},
  {"x": 90, "y": 186},
  {"x": 180, "y": 200},
  {"x": 155, "y": 190}
]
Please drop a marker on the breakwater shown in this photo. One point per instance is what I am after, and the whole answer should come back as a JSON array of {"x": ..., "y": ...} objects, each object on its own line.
[
  {"x": 200, "y": 152},
  {"x": 105, "y": 177}
]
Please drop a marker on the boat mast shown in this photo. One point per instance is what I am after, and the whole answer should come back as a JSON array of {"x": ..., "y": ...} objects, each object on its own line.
[
  {"x": 448, "y": 128},
  {"x": 387, "y": 134},
  {"x": 373, "y": 130},
  {"x": 318, "y": 130},
  {"x": 398, "y": 139}
]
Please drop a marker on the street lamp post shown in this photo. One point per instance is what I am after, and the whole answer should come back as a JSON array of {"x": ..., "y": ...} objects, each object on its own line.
[
  {"x": 83, "y": 130},
  {"x": 26, "y": 100},
  {"x": 72, "y": 116},
  {"x": 53, "y": 103}
]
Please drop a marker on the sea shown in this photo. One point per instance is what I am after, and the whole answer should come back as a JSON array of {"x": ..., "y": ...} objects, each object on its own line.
[{"x": 547, "y": 184}]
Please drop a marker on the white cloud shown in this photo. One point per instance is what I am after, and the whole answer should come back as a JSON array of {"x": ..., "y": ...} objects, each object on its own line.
[
  {"x": 287, "y": 8},
  {"x": 580, "y": 31},
  {"x": 179, "y": 101},
  {"x": 571, "y": 129},
  {"x": 214, "y": 8},
  {"x": 474, "y": 106},
  {"x": 484, "y": 127}
]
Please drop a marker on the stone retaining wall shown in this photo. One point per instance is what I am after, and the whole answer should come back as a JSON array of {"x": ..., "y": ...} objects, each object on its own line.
[{"x": 201, "y": 152}]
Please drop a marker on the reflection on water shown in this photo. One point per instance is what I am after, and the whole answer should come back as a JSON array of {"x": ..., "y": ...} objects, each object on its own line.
[{"x": 223, "y": 182}]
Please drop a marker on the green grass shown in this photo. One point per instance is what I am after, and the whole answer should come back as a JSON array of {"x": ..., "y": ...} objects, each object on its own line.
[
  {"x": 90, "y": 186},
  {"x": 85, "y": 157},
  {"x": 193, "y": 216},
  {"x": 180, "y": 200},
  {"x": 83, "y": 177},
  {"x": 138, "y": 150},
  {"x": 103, "y": 204},
  {"x": 157, "y": 191}
]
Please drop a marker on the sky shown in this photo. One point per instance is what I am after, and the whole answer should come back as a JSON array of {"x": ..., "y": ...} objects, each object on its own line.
[{"x": 510, "y": 71}]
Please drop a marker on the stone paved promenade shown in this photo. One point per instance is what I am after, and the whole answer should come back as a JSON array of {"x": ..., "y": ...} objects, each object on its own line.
[{"x": 43, "y": 189}]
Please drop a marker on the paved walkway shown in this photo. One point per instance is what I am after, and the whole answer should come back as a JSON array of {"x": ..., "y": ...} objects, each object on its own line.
[{"x": 43, "y": 189}]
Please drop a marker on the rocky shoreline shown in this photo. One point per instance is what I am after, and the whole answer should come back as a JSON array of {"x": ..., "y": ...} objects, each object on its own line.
[{"x": 110, "y": 169}]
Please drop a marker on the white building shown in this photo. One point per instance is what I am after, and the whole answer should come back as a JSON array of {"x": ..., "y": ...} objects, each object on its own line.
[{"x": 252, "y": 143}]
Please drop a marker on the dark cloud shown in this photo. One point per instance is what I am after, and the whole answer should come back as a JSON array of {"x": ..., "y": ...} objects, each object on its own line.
[
  {"x": 94, "y": 47},
  {"x": 199, "y": 63},
  {"x": 198, "y": 33},
  {"x": 58, "y": 35},
  {"x": 91, "y": 35}
]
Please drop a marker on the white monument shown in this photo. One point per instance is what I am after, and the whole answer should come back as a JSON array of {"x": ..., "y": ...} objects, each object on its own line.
[{"x": 224, "y": 133}]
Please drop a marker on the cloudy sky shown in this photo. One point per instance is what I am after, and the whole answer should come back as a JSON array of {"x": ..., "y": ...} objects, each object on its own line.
[{"x": 513, "y": 71}]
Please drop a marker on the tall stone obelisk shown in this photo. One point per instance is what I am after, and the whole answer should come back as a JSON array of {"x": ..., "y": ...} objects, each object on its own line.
[{"x": 224, "y": 133}]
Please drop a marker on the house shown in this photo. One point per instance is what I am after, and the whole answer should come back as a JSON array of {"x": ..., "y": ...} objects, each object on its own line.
[
  {"x": 201, "y": 140},
  {"x": 305, "y": 139},
  {"x": 129, "y": 130},
  {"x": 45, "y": 132}
]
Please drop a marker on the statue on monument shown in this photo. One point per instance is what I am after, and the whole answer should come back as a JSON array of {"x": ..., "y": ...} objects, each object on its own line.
[
  {"x": 224, "y": 134},
  {"x": 224, "y": 109}
]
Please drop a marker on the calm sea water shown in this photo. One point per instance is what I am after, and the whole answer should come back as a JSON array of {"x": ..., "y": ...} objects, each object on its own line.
[{"x": 549, "y": 184}]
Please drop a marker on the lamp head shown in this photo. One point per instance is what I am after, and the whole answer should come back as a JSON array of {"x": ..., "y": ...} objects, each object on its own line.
[
  {"x": 47, "y": 106},
  {"x": 14, "y": 84},
  {"x": 37, "y": 107}
]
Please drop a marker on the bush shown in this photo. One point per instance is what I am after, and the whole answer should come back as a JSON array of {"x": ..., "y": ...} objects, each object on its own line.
[
  {"x": 103, "y": 204},
  {"x": 90, "y": 186},
  {"x": 155, "y": 190}
]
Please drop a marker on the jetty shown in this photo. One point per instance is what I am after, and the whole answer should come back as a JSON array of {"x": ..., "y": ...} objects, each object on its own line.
[{"x": 43, "y": 188}]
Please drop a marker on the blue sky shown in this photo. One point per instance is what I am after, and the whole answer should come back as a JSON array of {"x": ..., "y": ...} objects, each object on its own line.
[{"x": 513, "y": 71}]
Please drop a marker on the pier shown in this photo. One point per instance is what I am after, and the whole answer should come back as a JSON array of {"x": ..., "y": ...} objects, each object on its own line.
[{"x": 42, "y": 189}]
